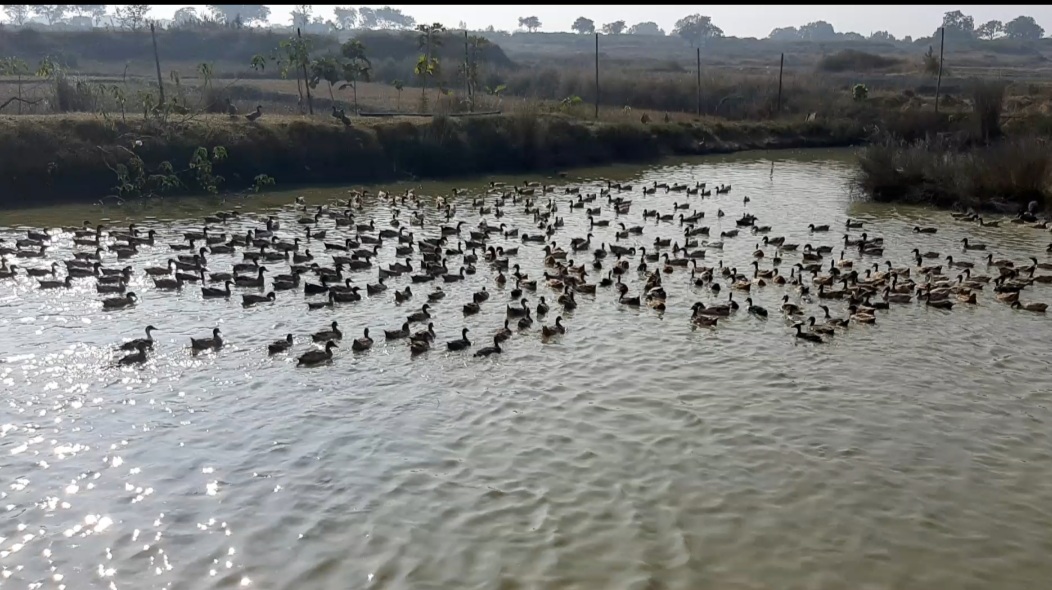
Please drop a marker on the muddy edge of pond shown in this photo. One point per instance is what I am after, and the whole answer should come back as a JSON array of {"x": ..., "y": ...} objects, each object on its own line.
[{"x": 57, "y": 158}]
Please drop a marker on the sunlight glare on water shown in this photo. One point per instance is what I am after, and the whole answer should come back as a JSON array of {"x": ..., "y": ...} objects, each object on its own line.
[{"x": 632, "y": 452}]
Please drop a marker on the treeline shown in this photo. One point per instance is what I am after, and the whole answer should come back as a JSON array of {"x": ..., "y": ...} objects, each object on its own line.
[{"x": 70, "y": 48}]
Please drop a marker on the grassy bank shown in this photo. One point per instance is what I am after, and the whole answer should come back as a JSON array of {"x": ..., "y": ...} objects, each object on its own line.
[
  {"x": 983, "y": 164},
  {"x": 1005, "y": 175},
  {"x": 84, "y": 158}
]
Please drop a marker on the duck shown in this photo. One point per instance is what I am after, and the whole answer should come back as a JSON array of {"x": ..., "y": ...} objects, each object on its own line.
[
  {"x": 316, "y": 357},
  {"x": 363, "y": 343},
  {"x": 972, "y": 246},
  {"x": 755, "y": 310},
  {"x": 43, "y": 272},
  {"x": 938, "y": 304},
  {"x": 542, "y": 307},
  {"x": 822, "y": 329},
  {"x": 860, "y": 316},
  {"x": 514, "y": 312},
  {"x": 213, "y": 343},
  {"x": 526, "y": 321},
  {"x": 253, "y": 116},
  {"x": 279, "y": 346},
  {"x": 128, "y": 300},
  {"x": 402, "y": 332},
  {"x": 137, "y": 357},
  {"x": 503, "y": 333},
  {"x": 558, "y": 328},
  {"x": 168, "y": 284},
  {"x": 461, "y": 343},
  {"x": 420, "y": 316},
  {"x": 251, "y": 299},
  {"x": 790, "y": 308},
  {"x": 212, "y": 292},
  {"x": 256, "y": 281},
  {"x": 64, "y": 283},
  {"x": 808, "y": 336},
  {"x": 818, "y": 228},
  {"x": 487, "y": 351},
  {"x": 1034, "y": 307},
  {"x": 896, "y": 297},
  {"x": 134, "y": 344},
  {"x": 924, "y": 230},
  {"x": 333, "y": 333},
  {"x": 705, "y": 321}
]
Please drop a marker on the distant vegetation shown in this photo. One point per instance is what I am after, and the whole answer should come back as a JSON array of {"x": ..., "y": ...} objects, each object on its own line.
[
  {"x": 851, "y": 60},
  {"x": 366, "y": 60}
]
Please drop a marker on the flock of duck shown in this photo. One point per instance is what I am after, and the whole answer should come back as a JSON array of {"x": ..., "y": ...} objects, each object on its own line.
[{"x": 330, "y": 250}]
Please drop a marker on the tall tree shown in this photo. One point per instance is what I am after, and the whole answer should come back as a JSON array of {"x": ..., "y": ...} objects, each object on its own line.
[
  {"x": 393, "y": 18},
  {"x": 185, "y": 15},
  {"x": 990, "y": 30},
  {"x": 530, "y": 23},
  {"x": 819, "y": 30},
  {"x": 356, "y": 67},
  {"x": 301, "y": 15},
  {"x": 615, "y": 28},
  {"x": 427, "y": 66},
  {"x": 1024, "y": 28},
  {"x": 784, "y": 34},
  {"x": 93, "y": 11},
  {"x": 958, "y": 25},
  {"x": 17, "y": 13},
  {"x": 247, "y": 13},
  {"x": 584, "y": 26},
  {"x": 697, "y": 29},
  {"x": 132, "y": 16},
  {"x": 881, "y": 36},
  {"x": 646, "y": 28},
  {"x": 346, "y": 17},
  {"x": 367, "y": 18},
  {"x": 52, "y": 13}
]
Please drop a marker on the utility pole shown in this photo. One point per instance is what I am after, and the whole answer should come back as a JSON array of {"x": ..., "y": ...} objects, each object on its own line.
[
  {"x": 597, "y": 76},
  {"x": 938, "y": 83},
  {"x": 157, "y": 62}
]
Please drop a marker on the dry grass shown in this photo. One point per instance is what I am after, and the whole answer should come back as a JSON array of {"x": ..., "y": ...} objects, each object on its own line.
[{"x": 944, "y": 172}]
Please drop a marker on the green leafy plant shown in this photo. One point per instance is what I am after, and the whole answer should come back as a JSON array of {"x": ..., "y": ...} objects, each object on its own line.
[
  {"x": 859, "y": 92},
  {"x": 497, "y": 92},
  {"x": 261, "y": 181},
  {"x": 356, "y": 67},
  {"x": 327, "y": 69},
  {"x": 427, "y": 65},
  {"x": 259, "y": 63},
  {"x": 122, "y": 100}
]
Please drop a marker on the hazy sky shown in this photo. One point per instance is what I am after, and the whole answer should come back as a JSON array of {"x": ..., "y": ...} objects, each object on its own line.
[{"x": 738, "y": 21}]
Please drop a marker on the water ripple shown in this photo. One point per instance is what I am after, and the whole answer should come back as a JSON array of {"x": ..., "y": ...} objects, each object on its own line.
[{"x": 632, "y": 453}]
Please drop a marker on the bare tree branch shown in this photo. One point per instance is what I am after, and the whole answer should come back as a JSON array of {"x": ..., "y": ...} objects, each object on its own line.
[{"x": 21, "y": 100}]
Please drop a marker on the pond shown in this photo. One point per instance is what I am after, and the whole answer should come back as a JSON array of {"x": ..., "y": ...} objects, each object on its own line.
[{"x": 635, "y": 451}]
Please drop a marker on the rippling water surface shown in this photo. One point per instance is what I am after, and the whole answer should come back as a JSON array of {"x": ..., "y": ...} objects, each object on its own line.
[{"x": 633, "y": 452}]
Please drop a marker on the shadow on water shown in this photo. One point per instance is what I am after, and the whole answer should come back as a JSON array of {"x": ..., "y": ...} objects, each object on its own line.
[{"x": 631, "y": 452}]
